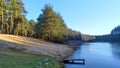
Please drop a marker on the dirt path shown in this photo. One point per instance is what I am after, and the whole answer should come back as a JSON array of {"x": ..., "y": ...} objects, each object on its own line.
[{"x": 35, "y": 46}]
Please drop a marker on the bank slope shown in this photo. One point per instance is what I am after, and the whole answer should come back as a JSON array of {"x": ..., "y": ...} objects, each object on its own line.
[{"x": 36, "y": 46}]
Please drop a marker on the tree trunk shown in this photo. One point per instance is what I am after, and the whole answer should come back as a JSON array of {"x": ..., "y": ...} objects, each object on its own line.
[
  {"x": 2, "y": 31},
  {"x": 11, "y": 24},
  {"x": 2, "y": 19}
]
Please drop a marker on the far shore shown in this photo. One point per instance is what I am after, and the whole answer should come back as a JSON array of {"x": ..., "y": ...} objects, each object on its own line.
[{"x": 74, "y": 44}]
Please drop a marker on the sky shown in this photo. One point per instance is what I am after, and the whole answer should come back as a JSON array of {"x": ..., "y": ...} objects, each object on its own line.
[{"x": 93, "y": 17}]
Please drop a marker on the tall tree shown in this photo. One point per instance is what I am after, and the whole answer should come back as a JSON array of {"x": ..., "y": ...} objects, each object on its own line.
[
  {"x": 16, "y": 10},
  {"x": 31, "y": 30},
  {"x": 12, "y": 19},
  {"x": 116, "y": 30},
  {"x": 51, "y": 25},
  {"x": 2, "y": 8}
]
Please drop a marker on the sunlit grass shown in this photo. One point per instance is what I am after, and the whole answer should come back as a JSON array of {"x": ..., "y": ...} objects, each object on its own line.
[{"x": 16, "y": 59}]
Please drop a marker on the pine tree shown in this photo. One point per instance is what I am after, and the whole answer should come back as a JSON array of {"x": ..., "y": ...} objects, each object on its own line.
[
  {"x": 51, "y": 25},
  {"x": 15, "y": 11},
  {"x": 2, "y": 20},
  {"x": 12, "y": 19},
  {"x": 31, "y": 31}
]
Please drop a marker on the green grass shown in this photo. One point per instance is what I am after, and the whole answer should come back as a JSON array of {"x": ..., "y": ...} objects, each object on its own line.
[{"x": 16, "y": 59}]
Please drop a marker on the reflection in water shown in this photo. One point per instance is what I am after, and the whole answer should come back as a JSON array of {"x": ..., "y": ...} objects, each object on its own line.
[
  {"x": 97, "y": 55},
  {"x": 116, "y": 49}
]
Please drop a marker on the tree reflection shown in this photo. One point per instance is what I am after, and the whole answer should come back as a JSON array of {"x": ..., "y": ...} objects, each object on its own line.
[{"x": 115, "y": 49}]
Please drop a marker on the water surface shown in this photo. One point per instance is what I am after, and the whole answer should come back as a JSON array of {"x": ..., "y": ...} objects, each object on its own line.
[{"x": 97, "y": 55}]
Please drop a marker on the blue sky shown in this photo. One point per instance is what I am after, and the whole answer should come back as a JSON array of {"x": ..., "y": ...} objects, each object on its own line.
[{"x": 94, "y": 17}]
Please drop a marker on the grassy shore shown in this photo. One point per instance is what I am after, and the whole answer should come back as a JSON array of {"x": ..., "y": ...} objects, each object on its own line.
[
  {"x": 17, "y": 59},
  {"x": 24, "y": 52}
]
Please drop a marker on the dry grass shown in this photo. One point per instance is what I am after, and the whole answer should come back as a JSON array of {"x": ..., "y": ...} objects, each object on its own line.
[{"x": 35, "y": 46}]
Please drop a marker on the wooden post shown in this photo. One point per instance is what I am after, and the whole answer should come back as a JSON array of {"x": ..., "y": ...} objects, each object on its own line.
[{"x": 83, "y": 61}]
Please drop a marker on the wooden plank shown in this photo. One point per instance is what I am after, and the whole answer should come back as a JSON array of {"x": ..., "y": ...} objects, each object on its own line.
[{"x": 75, "y": 61}]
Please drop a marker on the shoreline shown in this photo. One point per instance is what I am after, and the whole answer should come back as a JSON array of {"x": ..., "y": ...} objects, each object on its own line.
[
  {"x": 58, "y": 51},
  {"x": 36, "y": 46},
  {"x": 74, "y": 44}
]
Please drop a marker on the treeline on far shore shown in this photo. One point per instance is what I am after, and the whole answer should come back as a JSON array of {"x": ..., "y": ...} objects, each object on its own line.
[{"x": 114, "y": 36}]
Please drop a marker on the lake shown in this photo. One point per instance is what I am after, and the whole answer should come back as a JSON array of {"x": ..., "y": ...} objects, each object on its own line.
[{"x": 97, "y": 55}]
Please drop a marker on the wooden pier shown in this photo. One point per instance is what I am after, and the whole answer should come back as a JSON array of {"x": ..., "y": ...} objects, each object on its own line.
[{"x": 75, "y": 61}]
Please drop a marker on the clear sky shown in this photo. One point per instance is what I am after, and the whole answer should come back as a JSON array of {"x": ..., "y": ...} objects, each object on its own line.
[{"x": 94, "y": 17}]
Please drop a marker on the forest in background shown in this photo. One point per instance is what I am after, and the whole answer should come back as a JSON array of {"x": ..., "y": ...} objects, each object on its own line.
[
  {"x": 50, "y": 25},
  {"x": 114, "y": 36}
]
